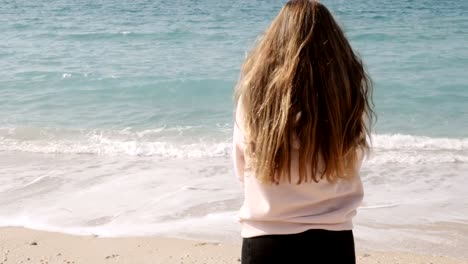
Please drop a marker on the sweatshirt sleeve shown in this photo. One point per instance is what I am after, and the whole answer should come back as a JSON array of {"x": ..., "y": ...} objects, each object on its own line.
[{"x": 238, "y": 146}]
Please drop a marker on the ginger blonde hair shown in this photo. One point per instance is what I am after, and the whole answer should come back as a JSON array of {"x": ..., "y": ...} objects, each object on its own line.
[{"x": 303, "y": 82}]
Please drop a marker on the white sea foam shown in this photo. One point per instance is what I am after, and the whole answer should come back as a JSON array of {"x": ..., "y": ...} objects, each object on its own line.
[
  {"x": 214, "y": 226},
  {"x": 399, "y": 141},
  {"x": 170, "y": 142},
  {"x": 111, "y": 195},
  {"x": 104, "y": 146}
]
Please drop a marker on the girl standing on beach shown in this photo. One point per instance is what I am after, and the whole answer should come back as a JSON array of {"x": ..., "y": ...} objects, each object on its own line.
[{"x": 300, "y": 134}]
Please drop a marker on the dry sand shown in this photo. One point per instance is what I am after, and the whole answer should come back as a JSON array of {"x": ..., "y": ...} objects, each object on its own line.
[{"x": 20, "y": 245}]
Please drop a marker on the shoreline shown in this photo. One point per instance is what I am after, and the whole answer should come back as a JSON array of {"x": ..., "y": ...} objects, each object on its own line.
[{"x": 21, "y": 245}]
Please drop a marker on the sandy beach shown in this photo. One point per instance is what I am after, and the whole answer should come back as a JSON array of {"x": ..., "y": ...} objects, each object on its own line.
[{"x": 20, "y": 245}]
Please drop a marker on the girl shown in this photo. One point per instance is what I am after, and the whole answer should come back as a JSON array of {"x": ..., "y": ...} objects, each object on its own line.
[{"x": 301, "y": 128}]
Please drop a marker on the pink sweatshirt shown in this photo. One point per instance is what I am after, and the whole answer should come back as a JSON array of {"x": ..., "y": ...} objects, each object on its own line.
[{"x": 289, "y": 208}]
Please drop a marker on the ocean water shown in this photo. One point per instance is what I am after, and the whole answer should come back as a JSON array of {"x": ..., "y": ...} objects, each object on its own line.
[{"x": 116, "y": 117}]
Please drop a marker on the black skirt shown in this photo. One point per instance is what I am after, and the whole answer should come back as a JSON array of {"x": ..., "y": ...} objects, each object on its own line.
[{"x": 314, "y": 246}]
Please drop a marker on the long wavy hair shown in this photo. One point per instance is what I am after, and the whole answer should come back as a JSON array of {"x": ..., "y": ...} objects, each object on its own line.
[{"x": 303, "y": 88}]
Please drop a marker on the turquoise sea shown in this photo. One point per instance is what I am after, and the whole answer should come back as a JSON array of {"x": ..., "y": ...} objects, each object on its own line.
[{"x": 116, "y": 116}]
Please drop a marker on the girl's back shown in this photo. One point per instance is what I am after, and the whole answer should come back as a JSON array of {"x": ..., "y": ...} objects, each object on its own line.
[{"x": 303, "y": 109}]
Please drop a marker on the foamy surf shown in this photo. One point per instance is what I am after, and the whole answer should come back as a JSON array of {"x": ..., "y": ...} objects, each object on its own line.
[
  {"x": 408, "y": 142},
  {"x": 122, "y": 195},
  {"x": 183, "y": 142}
]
